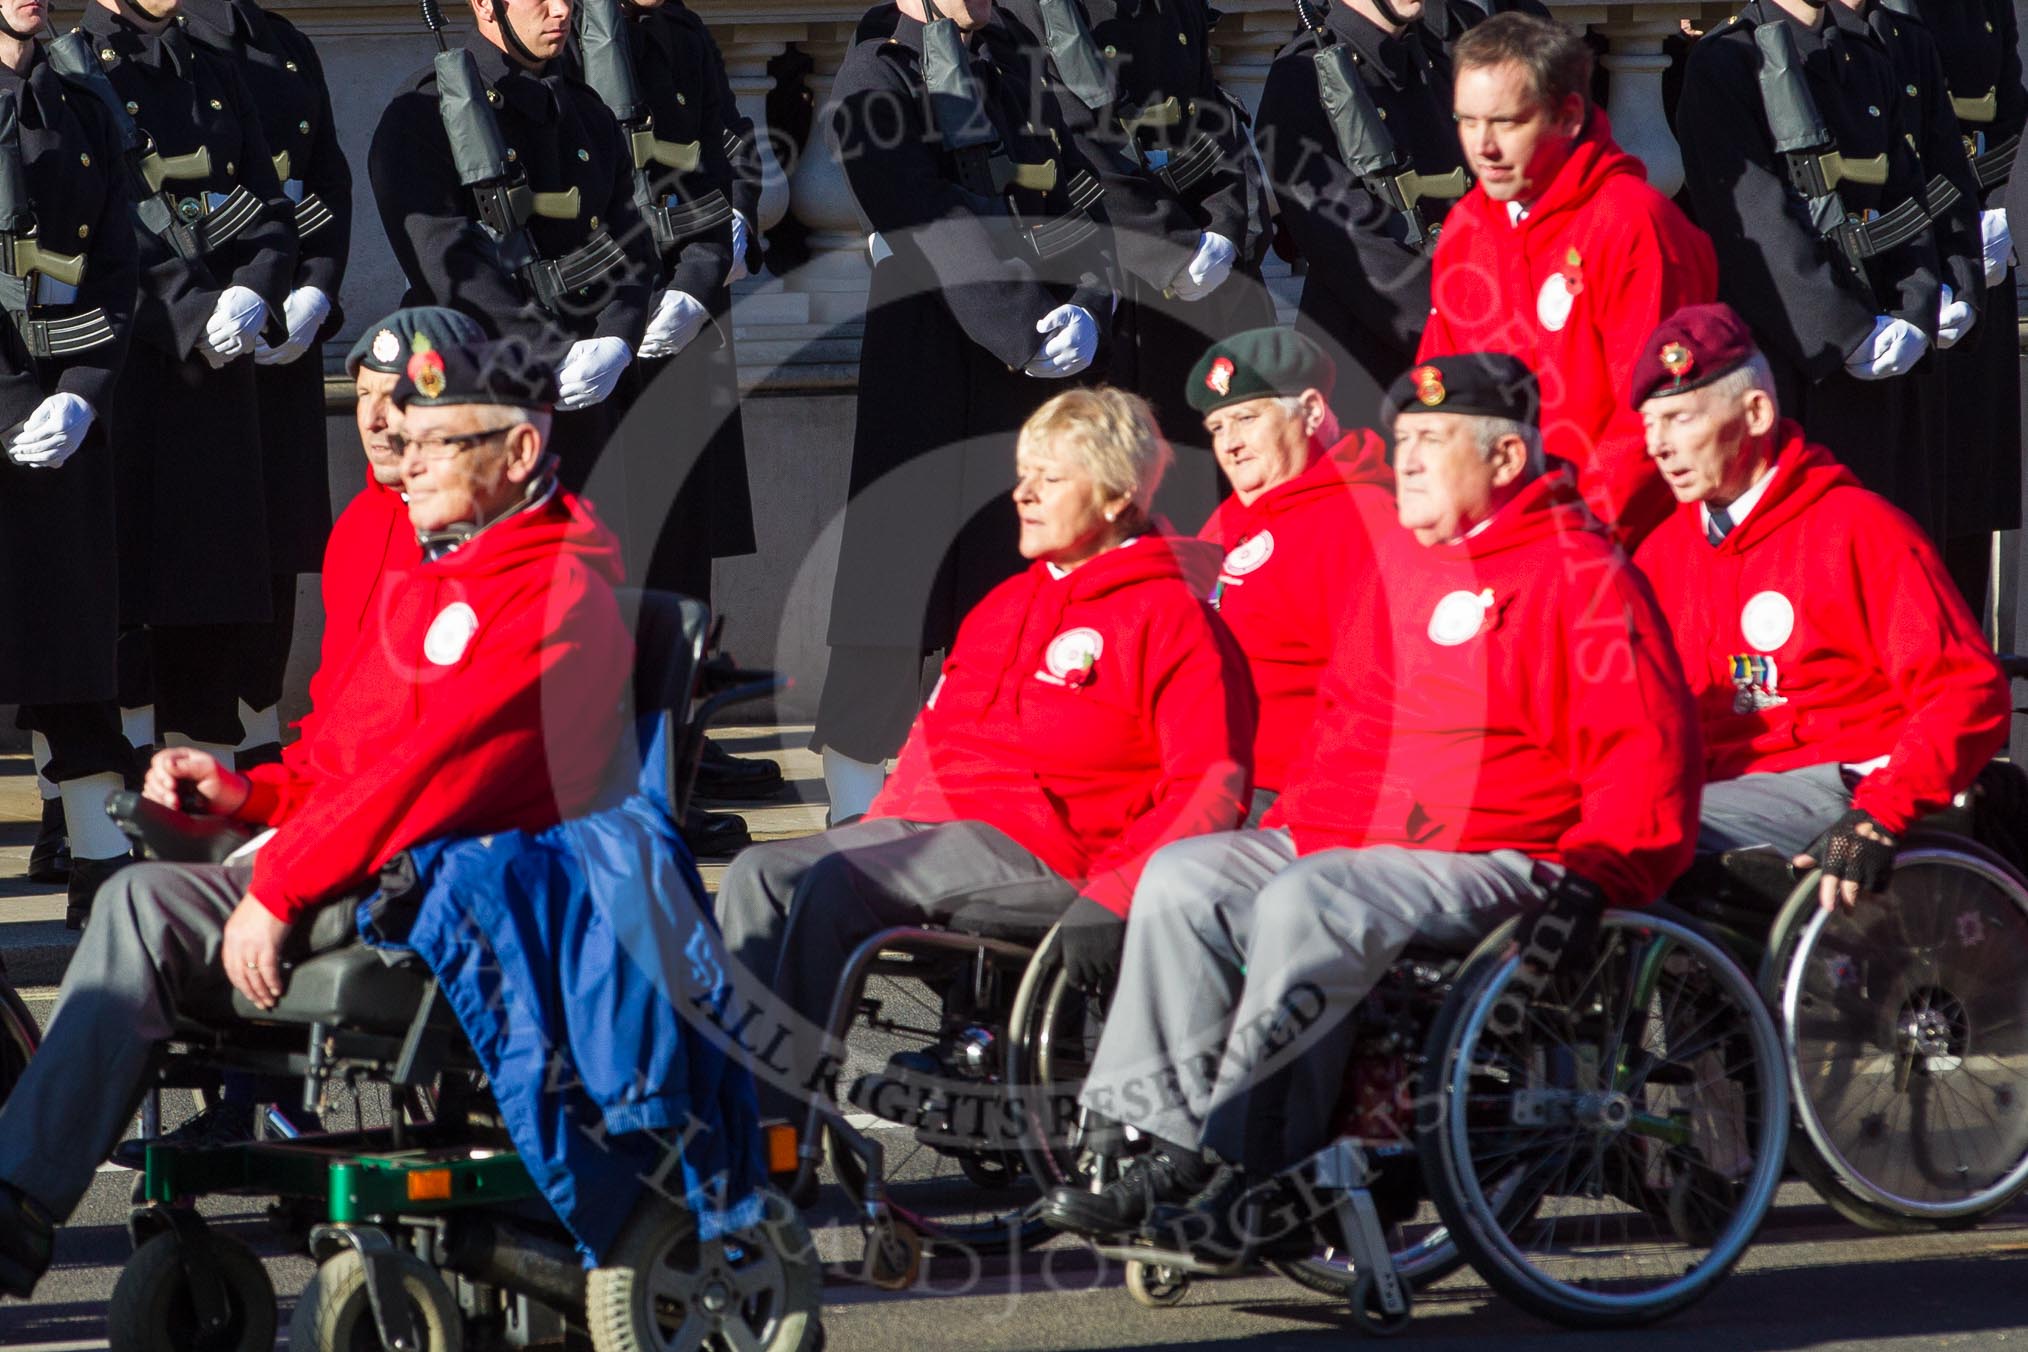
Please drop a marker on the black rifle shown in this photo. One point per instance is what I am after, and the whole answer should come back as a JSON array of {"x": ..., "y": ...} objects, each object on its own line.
[{"x": 24, "y": 262}]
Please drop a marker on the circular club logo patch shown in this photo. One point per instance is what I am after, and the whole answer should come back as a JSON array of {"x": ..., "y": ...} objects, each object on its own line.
[
  {"x": 1073, "y": 650},
  {"x": 1767, "y": 620},
  {"x": 450, "y": 633},
  {"x": 1553, "y": 302},
  {"x": 1458, "y": 617},
  {"x": 1250, "y": 554}
]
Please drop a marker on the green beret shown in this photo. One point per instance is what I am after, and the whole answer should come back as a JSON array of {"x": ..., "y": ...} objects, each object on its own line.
[
  {"x": 1259, "y": 364},
  {"x": 385, "y": 346}
]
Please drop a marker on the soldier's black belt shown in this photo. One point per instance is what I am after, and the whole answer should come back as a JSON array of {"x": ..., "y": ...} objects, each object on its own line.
[
  {"x": 583, "y": 266},
  {"x": 1075, "y": 225},
  {"x": 673, "y": 224},
  {"x": 228, "y": 219},
  {"x": 1993, "y": 166},
  {"x": 311, "y": 215}
]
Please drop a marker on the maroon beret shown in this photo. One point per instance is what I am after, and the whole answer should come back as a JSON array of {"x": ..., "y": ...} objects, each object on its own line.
[{"x": 1690, "y": 349}]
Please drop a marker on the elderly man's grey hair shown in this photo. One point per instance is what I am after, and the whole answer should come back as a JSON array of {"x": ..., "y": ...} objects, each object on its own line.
[
  {"x": 1752, "y": 374},
  {"x": 1292, "y": 405},
  {"x": 500, "y": 417},
  {"x": 1490, "y": 430}
]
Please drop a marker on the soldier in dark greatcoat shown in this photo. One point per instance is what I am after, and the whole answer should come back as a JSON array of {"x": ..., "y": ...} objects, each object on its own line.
[
  {"x": 1366, "y": 297},
  {"x": 586, "y": 233},
  {"x": 217, "y": 248},
  {"x": 1844, "y": 318},
  {"x": 283, "y": 74},
  {"x": 981, "y": 301},
  {"x": 67, "y": 288}
]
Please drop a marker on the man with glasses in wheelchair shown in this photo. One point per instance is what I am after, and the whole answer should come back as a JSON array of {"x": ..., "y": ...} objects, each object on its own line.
[
  {"x": 1502, "y": 729},
  {"x": 484, "y": 696},
  {"x": 1843, "y": 687}
]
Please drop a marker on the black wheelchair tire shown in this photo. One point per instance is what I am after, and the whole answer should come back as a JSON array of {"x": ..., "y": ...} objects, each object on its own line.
[
  {"x": 150, "y": 1309},
  {"x": 335, "y": 1313},
  {"x": 19, "y": 1038}
]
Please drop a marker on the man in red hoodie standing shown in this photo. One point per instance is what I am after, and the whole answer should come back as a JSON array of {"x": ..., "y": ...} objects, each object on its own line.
[
  {"x": 1308, "y": 501},
  {"x": 1843, "y": 686},
  {"x": 1503, "y": 728},
  {"x": 1561, "y": 255},
  {"x": 487, "y": 700}
]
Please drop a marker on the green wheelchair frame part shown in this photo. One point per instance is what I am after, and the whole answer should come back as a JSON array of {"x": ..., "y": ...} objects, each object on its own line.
[{"x": 353, "y": 1180}]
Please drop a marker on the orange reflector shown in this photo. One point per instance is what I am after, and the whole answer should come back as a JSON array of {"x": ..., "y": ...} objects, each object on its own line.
[
  {"x": 429, "y": 1185},
  {"x": 781, "y": 1139}
]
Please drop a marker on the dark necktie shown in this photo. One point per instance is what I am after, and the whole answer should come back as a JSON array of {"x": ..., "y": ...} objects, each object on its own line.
[{"x": 1717, "y": 526}]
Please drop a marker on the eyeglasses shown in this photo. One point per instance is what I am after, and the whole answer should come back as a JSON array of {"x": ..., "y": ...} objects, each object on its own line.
[{"x": 436, "y": 449}]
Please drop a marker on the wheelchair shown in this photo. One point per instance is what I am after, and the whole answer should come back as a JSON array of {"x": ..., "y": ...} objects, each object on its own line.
[
  {"x": 428, "y": 1232},
  {"x": 1904, "y": 1021},
  {"x": 19, "y": 1035}
]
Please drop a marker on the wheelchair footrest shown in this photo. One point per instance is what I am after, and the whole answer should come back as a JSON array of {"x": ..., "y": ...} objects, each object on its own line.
[{"x": 357, "y": 1176}]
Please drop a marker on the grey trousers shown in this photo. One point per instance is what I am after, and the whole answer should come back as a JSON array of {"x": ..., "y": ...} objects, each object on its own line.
[
  {"x": 792, "y": 911},
  {"x": 152, "y": 947},
  {"x": 1230, "y": 1027},
  {"x": 1787, "y": 809}
]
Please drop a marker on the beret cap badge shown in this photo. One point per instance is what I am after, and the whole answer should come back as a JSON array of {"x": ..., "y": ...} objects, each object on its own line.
[
  {"x": 386, "y": 346},
  {"x": 1219, "y": 377},
  {"x": 1676, "y": 360},
  {"x": 425, "y": 367},
  {"x": 1429, "y": 386}
]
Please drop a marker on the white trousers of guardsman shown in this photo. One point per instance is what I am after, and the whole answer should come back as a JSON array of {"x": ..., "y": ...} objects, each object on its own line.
[{"x": 1231, "y": 1027}]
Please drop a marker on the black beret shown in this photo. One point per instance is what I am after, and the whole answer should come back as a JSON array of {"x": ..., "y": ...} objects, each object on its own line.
[
  {"x": 509, "y": 371},
  {"x": 1478, "y": 384},
  {"x": 386, "y": 346},
  {"x": 1259, "y": 364}
]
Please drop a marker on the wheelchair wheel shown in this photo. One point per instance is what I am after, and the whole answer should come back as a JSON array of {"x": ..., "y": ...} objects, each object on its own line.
[
  {"x": 664, "y": 1288},
  {"x": 1906, "y": 1024},
  {"x": 1604, "y": 1146},
  {"x": 152, "y": 1309},
  {"x": 1052, "y": 1035},
  {"x": 335, "y": 1312},
  {"x": 18, "y": 1038}
]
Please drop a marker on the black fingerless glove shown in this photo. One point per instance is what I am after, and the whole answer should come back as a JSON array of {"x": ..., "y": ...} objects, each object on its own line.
[
  {"x": 1090, "y": 938},
  {"x": 1561, "y": 930},
  {"x": 1845, "y": 854}
]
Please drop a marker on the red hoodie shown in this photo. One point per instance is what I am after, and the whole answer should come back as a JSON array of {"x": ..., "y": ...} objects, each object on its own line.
[
  {"x": 1825, "y": 629},
  {"x": 1290, "y": 560},
  {"x": 1094, "y": 718},
  {"x": 1515, "y": 690},
  {"x": 1574, "y": 291},
  {"x": 482, "y": 695}
]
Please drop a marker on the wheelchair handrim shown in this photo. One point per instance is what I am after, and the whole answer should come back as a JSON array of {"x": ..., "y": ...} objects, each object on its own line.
[
  {"x": 1814, "y": 1127},
  {"x": 1746, "y": 1217}
]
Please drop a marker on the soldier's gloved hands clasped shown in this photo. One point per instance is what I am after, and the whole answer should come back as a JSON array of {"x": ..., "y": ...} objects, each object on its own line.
[
  {"x": 235, "y": 321},
  {"x": 52, "y": 433},
  {"x": 742, "y": 238},
  {"x": 590, "y": 370},
  {"x": 1997, "y": 243},
  {"x": 303, "y": 314},
  {"x": 678, "y": 318},
  {"x": 1891, "y": 349},
  {"x": 1073, "y": 342},
  {"x": 1954, "y": 319},
  {"x": 1211, "y": 265}
]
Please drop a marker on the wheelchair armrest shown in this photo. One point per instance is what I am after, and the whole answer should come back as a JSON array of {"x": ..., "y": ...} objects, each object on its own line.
[{"x": 177, "y": 837}]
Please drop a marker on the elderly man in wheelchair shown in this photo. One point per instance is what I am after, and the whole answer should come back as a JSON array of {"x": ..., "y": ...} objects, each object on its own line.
[{"x": 487, "y": 700}]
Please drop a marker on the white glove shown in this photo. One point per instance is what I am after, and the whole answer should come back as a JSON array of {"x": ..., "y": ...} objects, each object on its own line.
[
  {"x": 304, "y": 312},
  {"x": 1211, "y": 265},
  {"x": 52, "y": 433},
  {"x": 1954, "y": 319},
  {"x": 235, "y": 320},
  {"x": 1073, "y": 342},
  {"x": 590, "y": 370},
  {"x": 1998, "y": 242},
  {"x": 1892, "y": 348},
  {"x": 742, "y": 234},
  {"x": 677, "y": 319}
]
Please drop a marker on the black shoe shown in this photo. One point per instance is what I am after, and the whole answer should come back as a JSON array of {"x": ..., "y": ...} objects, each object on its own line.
[
  {"x": 1240, "y": 1220},
  {"x": 49, "y": 860},
  {"x": 87, "y": 876},
  {"x": 27, "y": 1239},
  {"x": 720, "y": 774},
  {"x": 227, "y": 1122},
  {"x": 1165, "y": 1176},
  {"x": 712, "y": 835}
]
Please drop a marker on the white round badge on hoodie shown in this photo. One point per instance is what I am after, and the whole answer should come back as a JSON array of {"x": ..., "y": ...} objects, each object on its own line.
[
  {"x": 1553, "y": 302},
  {"x": 1073, "y": 650},
  {"x": 1458, "y": 617},
  {"x": 1250, "y": 554},
  {"x": 1767, "y": 620},
  {"x": 450, "y": 633}
]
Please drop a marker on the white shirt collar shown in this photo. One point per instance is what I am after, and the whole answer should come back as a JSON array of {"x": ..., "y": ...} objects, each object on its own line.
[
  {"x": 1516, "y": 213},
  {"x": 1742, "y": 504},
  {"x": 1059, "y": 574}
]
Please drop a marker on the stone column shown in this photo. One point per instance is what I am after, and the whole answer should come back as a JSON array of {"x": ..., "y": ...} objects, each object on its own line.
[
  {"x": 747, "y": 49},
  {"x": 834, "y": 280},
  {"x": 1635, "y": 60}
]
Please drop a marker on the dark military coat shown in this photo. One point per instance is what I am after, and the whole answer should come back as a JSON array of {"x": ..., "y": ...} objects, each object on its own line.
[
  {"x": 950, "y": 323},
  {"x": 1806, "y": 307},
  {"x": 283, "y": 74},
  {"x": 1366, "y": 296},
  {"x": 59, "y": 612},
  {"x": 186, "y": 438}
]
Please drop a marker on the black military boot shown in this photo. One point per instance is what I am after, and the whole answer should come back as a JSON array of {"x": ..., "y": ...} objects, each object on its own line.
[
  {"x": 1167, "y": 1175},
  {"x": 86, "y": 877},
  {"x": 713, "y": 835},
  {"x": 49, "y": 860},
  {"x": 27, "y": 1239},
  {"x": 737, "y": 779}
]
